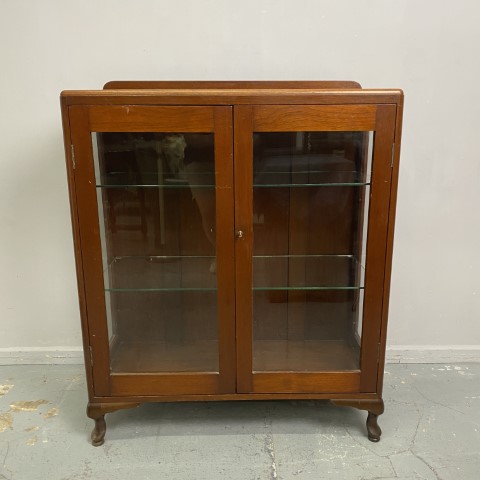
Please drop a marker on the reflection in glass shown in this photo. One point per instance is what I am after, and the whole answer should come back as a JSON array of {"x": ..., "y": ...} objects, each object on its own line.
[
  {"x": 156, "y": 199},
  {"x": 310, "y": 205}
]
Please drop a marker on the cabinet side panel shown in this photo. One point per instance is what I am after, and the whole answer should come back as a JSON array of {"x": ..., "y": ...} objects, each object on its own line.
[
  {"x": 88, "y": 225},
  {"x": 389, "y": 255},
  {"x": 77, "y": 245},
  {"x": 376, "y": 246}
]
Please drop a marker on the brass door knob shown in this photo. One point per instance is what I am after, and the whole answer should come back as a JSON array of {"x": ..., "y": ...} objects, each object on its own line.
[{"x": 239, "y": 234}]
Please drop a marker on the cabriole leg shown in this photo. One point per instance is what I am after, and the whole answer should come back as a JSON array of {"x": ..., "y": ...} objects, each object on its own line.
[
  {"x": 98, "y": 432},
  {"x": 97, "y": 411},
  {"x": 374, "y": 431},
  {"x": 374, "y": 408}
]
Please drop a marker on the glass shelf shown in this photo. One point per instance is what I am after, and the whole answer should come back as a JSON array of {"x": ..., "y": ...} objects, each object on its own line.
[
  {"x": 307, "y": 272},
  {"x": 180, "y": 289},
  {"x": 287, "y": 185},
  {"x": 173, "y": 186},
  {"x": 301, "y": 178},
  {"x": 309, "y": 169},
  {"x": 304, "y": 288},
  {"x": 161, "y": 274},
  {"x": 152, "y": 180},
  {"x": 149, "y": 356},
  {"x": 304, "y": 355},
  {"x": 310, "y": 179},
  {"x": 197, "y": 273}
]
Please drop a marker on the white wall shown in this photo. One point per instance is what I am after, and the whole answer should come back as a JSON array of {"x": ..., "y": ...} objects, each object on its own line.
[{"x": 430, "y": 49}]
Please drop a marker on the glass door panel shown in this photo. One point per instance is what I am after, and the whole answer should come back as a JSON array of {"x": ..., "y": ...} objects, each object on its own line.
[
  {"x": 154, "y": 190},
  {"x": 310, "y": 206},
  {"x": 156, "y": 207}
]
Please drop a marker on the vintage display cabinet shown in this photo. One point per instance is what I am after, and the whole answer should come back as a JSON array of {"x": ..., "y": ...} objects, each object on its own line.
[{"x": 233, "y": 240}]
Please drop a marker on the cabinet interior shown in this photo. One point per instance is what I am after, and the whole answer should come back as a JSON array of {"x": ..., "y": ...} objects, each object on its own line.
[{"x": 156, "y": 202}]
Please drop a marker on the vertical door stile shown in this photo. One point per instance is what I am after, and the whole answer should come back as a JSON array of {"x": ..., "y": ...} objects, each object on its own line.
[
  {"x": 225, "y": 247},
  {"x": 243, "y": 166}
]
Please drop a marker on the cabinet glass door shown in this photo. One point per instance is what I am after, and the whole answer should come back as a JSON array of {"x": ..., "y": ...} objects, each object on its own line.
[
  {"x": 164, "y": 310},
  {"x": 311, "y": 305}
]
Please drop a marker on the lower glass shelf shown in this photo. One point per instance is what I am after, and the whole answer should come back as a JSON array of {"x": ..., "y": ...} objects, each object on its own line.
[
  {"x": 307, "y": 272},
  {"x": 161, "y": 274},
  {"x": 164, "y": 357},
  {"x": 198, "y": 273},
  {"x": 304, "y": 355},
  {"x": 202, "y": 356},
  {"x": 154, "y": 289}
]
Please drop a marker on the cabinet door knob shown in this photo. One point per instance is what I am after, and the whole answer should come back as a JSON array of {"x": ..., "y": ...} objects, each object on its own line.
[{"x": 239, "y": 234}]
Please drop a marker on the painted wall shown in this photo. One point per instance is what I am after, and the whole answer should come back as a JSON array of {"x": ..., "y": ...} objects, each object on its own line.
[{"x": 430, "y": 49}]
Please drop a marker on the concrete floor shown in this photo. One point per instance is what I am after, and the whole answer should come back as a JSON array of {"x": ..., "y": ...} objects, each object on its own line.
[{"x": 431, "y": 430}]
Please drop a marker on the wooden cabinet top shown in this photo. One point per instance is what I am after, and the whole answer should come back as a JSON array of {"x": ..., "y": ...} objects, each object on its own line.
[{"x": 229, "y": 93}]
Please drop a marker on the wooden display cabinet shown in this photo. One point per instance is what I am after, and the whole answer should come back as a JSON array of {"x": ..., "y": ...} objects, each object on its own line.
[{"x": 233, "y": 240}]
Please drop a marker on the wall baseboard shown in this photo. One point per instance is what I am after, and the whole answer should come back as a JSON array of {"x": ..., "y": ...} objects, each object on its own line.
[
  {"x": 395, "y": 354},
  {"x": 41, "y": 356},
  {"x": 433, "y": 354}
]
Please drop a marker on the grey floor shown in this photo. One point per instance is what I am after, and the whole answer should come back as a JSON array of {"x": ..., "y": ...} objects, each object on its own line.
[{"x": 431, "y": 430}]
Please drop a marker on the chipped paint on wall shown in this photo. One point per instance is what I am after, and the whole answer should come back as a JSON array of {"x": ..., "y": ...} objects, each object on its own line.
[
  {"x": 27, "y": 406},
  {"x": 4, "y": 389},
  {"x": 32, "y": 441},
  {"x": 6, "y": 421},
  {"x": 32, "y": 429},
  {"x": 53, "y": 412}
]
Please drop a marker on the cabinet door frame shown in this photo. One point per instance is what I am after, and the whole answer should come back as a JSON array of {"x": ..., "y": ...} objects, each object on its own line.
[
  {"x": 248, "y": 119},
  {"x": 85, "y": 119}
]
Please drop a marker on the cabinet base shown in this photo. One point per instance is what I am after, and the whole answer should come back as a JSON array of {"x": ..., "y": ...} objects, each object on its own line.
[
  {"x": 97, "y": 412},
  {"x": 374, "y": 408}
]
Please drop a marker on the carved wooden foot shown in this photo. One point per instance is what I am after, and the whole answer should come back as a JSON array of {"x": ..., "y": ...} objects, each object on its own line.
[
  {"x": 373, "y": 429},
  {"x": 374, "y": 408},
  {"x": 97, "y": 411},
  {"x": 98, "y": 432}
]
